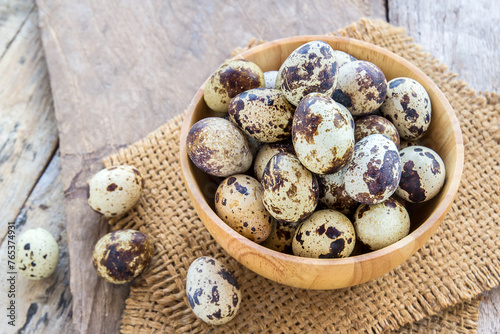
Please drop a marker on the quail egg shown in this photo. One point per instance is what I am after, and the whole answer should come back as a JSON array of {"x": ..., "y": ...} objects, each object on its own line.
[
  {"x": 37, "y": 254},
  {"x": 322, "y": 134},
  {"x": 262, "y": 113},
  {"x": 229, "y": 80},
  {"x": 270, "y": 79},
  {"x": 309, "y": 68},
  {"x": 408, "y": 107},
  {"x": 332, "y": 193},
  {"x": 266, "y": 152},
  {"x": 373, "y": 124},
  {"x": 113, "y": 191},
  {"x": 342, "y": 58},
  {"x": 423, "y": 175},
  {"x": 290, "y": 191},
  {"x": 217, "y": 147},
  {"x": 123, "y": 255},
  {"x": 380, "y": 225},
  {"x": 373, "y": 174},
  {"x": 361, "y": 87},
  {"x": 325, "y": 234},
  {"x": 281, "y": 236},
  {"x": 212, "y": 291},
  {"x": 238, "y": 202}
]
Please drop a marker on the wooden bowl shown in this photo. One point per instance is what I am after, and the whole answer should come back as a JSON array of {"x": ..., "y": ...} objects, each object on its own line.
[{"x": 444, "y": 137}]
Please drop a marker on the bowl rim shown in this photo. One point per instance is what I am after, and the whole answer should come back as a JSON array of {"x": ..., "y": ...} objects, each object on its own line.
[{"x": 425, "y": 230}]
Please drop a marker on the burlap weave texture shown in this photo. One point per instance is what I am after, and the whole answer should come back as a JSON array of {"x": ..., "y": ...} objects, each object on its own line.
[{"x": 460, "y": 261}]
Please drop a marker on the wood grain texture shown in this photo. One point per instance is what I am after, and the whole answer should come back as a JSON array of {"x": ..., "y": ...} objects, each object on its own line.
[
  {"x": 28, "y": 131},
  {"x": 120, "y": 71},
  {"x": 463, "y": 34},
  {"x": 45, "y": 305},
  {"x": 13, "y": 13}
]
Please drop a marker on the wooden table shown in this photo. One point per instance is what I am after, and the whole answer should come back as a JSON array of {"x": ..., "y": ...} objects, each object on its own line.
[{"x": 35, "y": 194}]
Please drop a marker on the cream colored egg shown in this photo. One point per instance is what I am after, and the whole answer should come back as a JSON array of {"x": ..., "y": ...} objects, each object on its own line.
[
  {"x": 374, "y": 171},
  {"x": 325, "y": 234},
  {"x": 266, "y": 152},
  {"x": 238, "y": 202},
  {"x": 217, "y": 147},
  {"x": 423, "y": 174},
  {"x": 270, "y": 79},
  {"x": 37, "y": 254},
  {"x": 342, "y": 58},
  {"x": 380, "y": 225},
  {"x": 281, "y": 236},
  {"x": 212, "y": 291},
  {"x": 408, "y": 107},
  {"x": 310, "y": 68},
  {"x": 322, "y": 134},
  {"x": 113, "y": 191},
  {"x": 230, "y": 79},
  {"x": 290, "y": 191},
  {"x": 262, "y": 113},
  {"x": 123, "y": 255},
  {"x": 361, "y": 87},
  {"x": 374, "y": 124},
  {"x": 332, "y": 193}
]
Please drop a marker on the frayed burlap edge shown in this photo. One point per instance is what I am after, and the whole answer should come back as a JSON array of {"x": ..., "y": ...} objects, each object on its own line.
[{"x": 460, "y": 261}]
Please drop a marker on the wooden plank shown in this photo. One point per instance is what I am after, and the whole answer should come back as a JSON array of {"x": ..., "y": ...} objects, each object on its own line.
[
  {"x": 466, "y": 36},
  {"x": 28, "y": 131},
  {"x": 43, "y": 306},
  {"x": 463, "y": 34},
  {"x": 120, "y": 71},
  {"x": 13, "y": 13}
]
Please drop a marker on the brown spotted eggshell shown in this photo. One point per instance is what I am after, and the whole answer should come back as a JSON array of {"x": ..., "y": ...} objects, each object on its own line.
[
  {"x": 115, "y": 190},
  {"x": 123, "y": 255},
  {"x": 212, "y": 291},
  {"x": 423, "y": 174},
  {"x": 290, "y": 191},
  {"x": 332, "y": 193},
  {"x": 266, "y": 152},
  {"x": 217, "y": 147},
  {"x": 322, "y": 134},
  {"x": 373, "y": 174},
  {"x": 342, "y": 57},
  {"x": 374, "y": 124},
  {"x": 408, "y": 107},
  {"x": 325, "y": 234},
  {"x": 361, "y": 87},
  {"x": 37, "y": 254},
  {"x": 281, "y": 236},
  {"x": 262, "y": 113},
  {"x": 238, "y": 202},
  {"x": 380, "y": 225},
  {"x": 229, "y": 80},
  {"x": 310, "y": 68}
]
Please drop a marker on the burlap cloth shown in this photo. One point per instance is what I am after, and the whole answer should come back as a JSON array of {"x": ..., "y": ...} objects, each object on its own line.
[{"x": 434, "y": 291}]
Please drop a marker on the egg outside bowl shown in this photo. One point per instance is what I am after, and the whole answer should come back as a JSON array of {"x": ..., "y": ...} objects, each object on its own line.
[{"x": 444, "y": 137}]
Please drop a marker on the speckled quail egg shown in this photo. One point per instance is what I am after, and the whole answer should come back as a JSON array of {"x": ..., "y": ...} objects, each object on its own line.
[
  {"x": 361, "y": 87},
  {"x": 310, "y": 68},
  {"x": 37, "y": 254},
  {"x": 406, "y": 143},
  {"x": 380, "y": 225},
  {"x": 374, "y": 124},
  {"x": 332, "y": 193},
  {"x": 342, "y": 57},
  {"x": 262, "y": 113},
  {"x": 113, "y": 191},
  {"x": 266, "y": 152},
  {"x": 408, "y": 107},
  {"x": 212, "y": 291},
  {"x": 270, "y": 79},
  {"x": 325, "y": 234},
  {"x": 423, "y": 174},
  {"x": 230, "y": 79},
  {"x": 123, "y": 255},
  {"x": 238, "y": 202},
  {"x": 281, "y": 236},
  {"x": 322, "y": 134},
  {"x": 217, "y": 147},
  {"x": 290, "y": 191},
  {"x": 374, "y": 171}
]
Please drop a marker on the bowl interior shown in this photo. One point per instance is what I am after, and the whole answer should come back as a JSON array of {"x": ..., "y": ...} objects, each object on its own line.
[{"x": 443, "y": 136}]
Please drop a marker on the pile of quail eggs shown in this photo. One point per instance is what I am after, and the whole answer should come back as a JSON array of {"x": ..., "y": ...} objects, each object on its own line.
[{"x": 310, "y": 157}]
